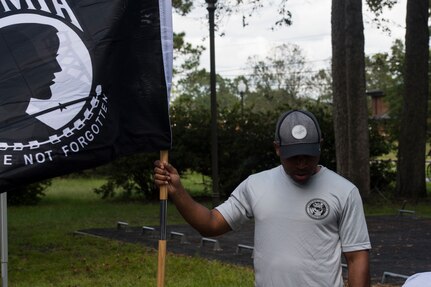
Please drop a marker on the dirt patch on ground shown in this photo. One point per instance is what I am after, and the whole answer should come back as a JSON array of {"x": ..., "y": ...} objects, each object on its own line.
[{"x": 401, "y": 245}]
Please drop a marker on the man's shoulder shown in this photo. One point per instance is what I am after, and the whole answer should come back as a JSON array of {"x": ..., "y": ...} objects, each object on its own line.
[
  {"x": 275, "y": 171},
  {"x": 264, "y": 178},
  {"x": 335, "y": 178}
]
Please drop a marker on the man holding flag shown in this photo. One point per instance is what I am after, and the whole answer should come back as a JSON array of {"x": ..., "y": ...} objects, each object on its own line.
[{"x": 305, "y": 215}]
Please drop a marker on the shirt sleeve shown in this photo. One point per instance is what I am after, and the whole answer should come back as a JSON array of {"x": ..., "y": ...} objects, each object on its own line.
[
  {"x": 353, "y": 227},
  {"x": 237, "y": 208}
]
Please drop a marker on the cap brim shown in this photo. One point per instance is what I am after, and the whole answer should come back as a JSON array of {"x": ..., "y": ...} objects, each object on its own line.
[{"x": 287, "y": 151}]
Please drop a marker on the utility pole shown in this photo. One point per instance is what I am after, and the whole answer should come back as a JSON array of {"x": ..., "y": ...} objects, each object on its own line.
[{"x": 214, "y": 136}]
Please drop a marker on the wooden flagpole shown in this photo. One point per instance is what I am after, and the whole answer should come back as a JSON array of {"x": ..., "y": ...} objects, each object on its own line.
[{"x": 163, "y": 215}]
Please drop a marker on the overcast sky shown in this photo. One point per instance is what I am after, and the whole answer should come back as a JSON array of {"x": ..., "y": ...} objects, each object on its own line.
[{"x": 311, "y": 30}]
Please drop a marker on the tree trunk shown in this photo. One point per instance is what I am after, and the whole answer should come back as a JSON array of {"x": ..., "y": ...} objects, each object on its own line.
[
  {"x": 350, "y": 103},
  {"x": 359, "y": 152},
  {"x": 412, "y": 141},
  {"x": 339, "y": 87}
]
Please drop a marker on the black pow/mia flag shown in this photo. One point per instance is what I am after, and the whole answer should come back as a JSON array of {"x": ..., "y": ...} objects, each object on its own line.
[{"x": 81, "y": 83}]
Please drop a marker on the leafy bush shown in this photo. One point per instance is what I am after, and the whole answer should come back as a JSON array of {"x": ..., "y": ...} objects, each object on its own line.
[
  {"x": 29, "y": 194},
  {"x": 382, "y": 172},
  {"x": 245, "y": 141},
  {"x": 131, "y": 177},
  {"x": 383, "y": 175}
]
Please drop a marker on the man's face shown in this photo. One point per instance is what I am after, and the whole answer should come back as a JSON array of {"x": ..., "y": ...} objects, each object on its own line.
[{"x": 301, "y": 167}]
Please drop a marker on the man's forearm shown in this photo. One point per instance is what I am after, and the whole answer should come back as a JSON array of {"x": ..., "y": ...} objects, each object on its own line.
[
  {"x": 207, "y": 222},
  {"x": 358, "y": 268},
  {"x": 359, "y": 276}
]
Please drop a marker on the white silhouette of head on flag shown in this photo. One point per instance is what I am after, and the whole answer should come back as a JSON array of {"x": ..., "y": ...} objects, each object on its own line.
[{"x": 46, "y": 73}]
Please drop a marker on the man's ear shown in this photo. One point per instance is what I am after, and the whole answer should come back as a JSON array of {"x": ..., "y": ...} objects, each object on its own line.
[{"x": 277, "y": 148}]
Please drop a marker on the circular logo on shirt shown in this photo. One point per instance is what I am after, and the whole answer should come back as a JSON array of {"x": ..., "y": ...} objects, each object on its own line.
[
  {"x": 317, "y": 208},
  {"x": 299, "y": 132}
]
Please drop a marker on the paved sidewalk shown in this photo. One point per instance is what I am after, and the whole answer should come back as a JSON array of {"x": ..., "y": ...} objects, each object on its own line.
[{"x": 401, "y": 245}]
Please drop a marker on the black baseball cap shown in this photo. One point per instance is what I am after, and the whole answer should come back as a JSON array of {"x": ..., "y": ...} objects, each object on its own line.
[{"x": 298, "y": 133}]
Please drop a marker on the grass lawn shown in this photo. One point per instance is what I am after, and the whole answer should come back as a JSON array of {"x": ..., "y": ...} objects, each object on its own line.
[{"x": 43, "y": 251}]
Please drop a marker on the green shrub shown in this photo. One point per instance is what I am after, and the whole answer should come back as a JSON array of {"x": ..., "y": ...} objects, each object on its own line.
[
  {"x": 130, "y": 178},
  {"x": 245, "y": 146},
  {"x": 28, "y": 194}
]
